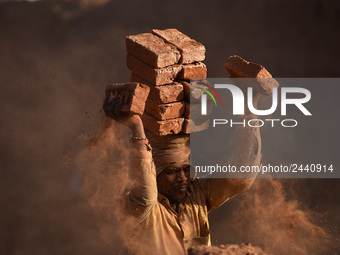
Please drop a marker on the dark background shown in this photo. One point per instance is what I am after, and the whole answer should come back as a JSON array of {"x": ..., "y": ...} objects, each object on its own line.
[{"x": 56, "y": 57}]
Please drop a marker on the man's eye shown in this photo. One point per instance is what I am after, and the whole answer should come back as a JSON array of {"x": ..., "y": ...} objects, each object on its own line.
[{"x": 170, "y": 171}]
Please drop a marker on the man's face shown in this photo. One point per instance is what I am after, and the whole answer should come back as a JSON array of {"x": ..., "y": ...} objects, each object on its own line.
[{"x": 172, "y": 182}]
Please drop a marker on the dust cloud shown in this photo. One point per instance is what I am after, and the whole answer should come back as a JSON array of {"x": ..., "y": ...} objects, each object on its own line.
[
  {"x": 265, "y": 217},
  {"x": 103, "y": 161}
]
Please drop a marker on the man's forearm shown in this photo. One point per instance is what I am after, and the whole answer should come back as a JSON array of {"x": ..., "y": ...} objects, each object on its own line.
[
  {"x": 137, "y": 128},
  {"x": 143, "y": 190},
  {"x": 245, "y": 148},
  {"x": 142, "y": 171}
]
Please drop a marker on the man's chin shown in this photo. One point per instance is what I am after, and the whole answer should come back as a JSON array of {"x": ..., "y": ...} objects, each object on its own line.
[{"x": 181, "y": 195}]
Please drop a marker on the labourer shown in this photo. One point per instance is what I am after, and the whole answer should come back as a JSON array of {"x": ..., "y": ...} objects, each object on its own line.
[{"x": 171, "y": 210}]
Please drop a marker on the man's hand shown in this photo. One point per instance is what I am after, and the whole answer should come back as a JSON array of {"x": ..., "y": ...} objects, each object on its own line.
[{"x": 112, "y": 108}]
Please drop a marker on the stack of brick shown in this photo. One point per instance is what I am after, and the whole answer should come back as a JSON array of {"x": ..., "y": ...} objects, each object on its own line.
[{"x": 166, "y": 60}]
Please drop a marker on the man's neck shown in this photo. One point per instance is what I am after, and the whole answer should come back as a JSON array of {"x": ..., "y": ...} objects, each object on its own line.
[{"x": 174, "y": 206}]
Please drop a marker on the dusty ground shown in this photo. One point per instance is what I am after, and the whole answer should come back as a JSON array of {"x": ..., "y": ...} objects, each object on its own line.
[{"x": 231, "y": 249}]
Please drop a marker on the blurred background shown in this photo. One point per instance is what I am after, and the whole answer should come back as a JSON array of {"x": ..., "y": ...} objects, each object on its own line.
[{"x": 62, "y": 171}]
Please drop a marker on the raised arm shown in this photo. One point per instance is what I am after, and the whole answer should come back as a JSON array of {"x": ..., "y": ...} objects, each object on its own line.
[
  {"x": 245, "y": 143},
  {"x": 143, "y": 189}
]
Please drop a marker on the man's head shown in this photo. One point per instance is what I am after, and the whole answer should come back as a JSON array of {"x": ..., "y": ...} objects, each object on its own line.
[
  {"x": 173, "y": 172},
  {"x": 172, "y": 182}
]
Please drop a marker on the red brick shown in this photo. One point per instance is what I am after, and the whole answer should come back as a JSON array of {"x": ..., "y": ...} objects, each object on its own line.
[
  {"x": 193, "y": 71},
  {"x": 165, "y": 111},
  {"x": 191, "y": 50},
  {"x": 162, "y": 94},
  {"x": 138, "y": 94},
  {"x": 186, "y": 126},
  {"x": 152, "y": 50},
  {"x": 189, "y": 126},
  {"x": 156, "y": 76},
  {"x": 186, "y": 89},
  {"x": 192, "y": 93},
  {"x": 187, "y": 110},
  {"x": 162, "y": 127},
  {"x": 240, "y": 68}
]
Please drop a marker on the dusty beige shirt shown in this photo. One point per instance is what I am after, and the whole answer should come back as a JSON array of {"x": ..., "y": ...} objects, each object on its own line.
[{"x": 160, "y": 229}]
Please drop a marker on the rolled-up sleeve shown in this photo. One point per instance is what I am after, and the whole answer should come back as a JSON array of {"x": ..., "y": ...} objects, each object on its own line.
[{"x": 142, "y": 193}]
